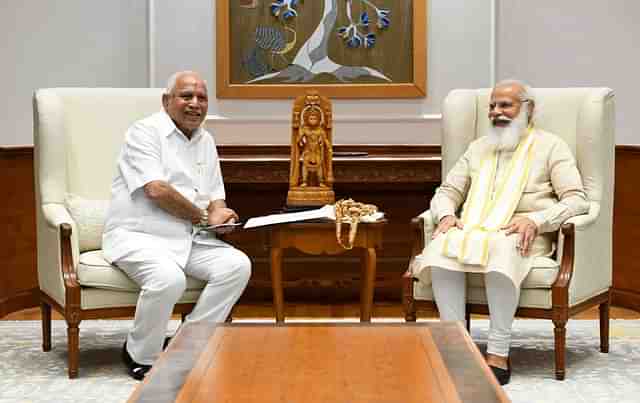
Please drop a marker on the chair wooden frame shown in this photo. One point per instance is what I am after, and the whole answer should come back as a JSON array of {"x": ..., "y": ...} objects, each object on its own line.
[
  {"x": 72, "y": 311},
  {"x": 559, "y": 313}
]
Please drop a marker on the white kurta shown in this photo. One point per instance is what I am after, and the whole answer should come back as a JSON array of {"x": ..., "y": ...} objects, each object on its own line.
[
  {"x": 552, "y": 194},
  {"x": 155, "y": 149}
]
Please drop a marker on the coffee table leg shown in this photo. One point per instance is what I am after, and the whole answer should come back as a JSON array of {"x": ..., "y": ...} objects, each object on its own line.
[
  {"x": 368, "y": 276},
  {"x": 276, "y": 283}
]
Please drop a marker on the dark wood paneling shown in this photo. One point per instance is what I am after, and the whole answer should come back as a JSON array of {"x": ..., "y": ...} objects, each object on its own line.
[
  {"x": 400, "y": 179},
  {"x": 18, "y": 277},
  {"x": 626, "y": 229}
]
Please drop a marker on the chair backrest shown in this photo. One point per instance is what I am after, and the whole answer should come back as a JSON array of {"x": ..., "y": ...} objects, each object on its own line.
[
  {"x": 78, "y": 133},
  {"x": 583, "y": 117}
]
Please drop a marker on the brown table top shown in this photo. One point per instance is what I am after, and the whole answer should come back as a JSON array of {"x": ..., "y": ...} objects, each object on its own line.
[{"x": 423, "y": 362}]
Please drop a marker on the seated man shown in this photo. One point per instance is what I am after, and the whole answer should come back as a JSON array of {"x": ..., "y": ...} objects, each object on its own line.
[
  {"x": 516, "y": 185},
  {"x": 168, "y": 183}
]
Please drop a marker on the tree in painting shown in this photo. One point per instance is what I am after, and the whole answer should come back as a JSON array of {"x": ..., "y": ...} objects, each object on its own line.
[{"x": 313, "y": 58}]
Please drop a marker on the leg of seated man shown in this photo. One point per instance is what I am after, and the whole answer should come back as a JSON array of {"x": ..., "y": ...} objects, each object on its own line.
[
  {"x": 162, "y": 283},
  {"x": 226, "y": 271},
  {"x": 502, "y": 298},
  {"x": 449, "y": 290}
]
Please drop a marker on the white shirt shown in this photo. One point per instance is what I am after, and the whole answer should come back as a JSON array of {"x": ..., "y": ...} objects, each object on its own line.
[{"x": 136, "y": 228}]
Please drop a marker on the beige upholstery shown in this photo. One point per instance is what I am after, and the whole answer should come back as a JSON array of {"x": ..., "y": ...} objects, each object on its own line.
[
  {"x": 77, "y": 134},
  {"x": 584, "y": 118}
]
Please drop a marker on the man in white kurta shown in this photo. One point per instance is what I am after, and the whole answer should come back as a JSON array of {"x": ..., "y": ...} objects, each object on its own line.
[
  {"x": 516, "y": 186},
  {"x": 168, "y": 183}
]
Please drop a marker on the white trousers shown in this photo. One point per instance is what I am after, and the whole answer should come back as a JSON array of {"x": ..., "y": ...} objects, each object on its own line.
[
  {"x": 162, "y": 282},
  {"x": 449, "y": 290}
]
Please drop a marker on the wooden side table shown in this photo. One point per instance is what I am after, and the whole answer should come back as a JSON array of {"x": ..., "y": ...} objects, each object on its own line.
[{"x": 317, "y": 238}]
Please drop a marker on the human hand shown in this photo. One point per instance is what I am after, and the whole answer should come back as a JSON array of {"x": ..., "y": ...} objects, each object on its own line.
[
  {"x": 526, "y": 228},
  {"x": 445, "y": 224},
  {"x": 222, "y": 215}
]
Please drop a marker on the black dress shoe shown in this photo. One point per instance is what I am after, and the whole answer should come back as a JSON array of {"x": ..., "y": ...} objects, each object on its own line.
[
  {"x": 135, "y": 370},
  {"x": 502, "y": 375}
]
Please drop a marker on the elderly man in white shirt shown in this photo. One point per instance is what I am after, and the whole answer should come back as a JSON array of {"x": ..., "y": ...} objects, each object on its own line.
[{"x": 168, "y": 183}]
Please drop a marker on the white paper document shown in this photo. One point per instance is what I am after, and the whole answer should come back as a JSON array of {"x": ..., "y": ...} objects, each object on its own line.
[
  {"x": 323, "y": 212},
  {"x": 326, "y": 212}
]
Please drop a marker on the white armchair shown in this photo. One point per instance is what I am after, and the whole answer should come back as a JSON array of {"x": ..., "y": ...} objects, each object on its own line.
[
  {"x": 579, "y": 276},
  {"x": 77, "y": 134}
]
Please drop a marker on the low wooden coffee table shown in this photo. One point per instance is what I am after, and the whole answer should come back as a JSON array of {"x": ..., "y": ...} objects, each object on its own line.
[{"x": 308, "y": 363}]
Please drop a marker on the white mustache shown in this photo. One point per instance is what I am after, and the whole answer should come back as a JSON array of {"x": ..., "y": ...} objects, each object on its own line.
[{"x": 502, "y": 119}]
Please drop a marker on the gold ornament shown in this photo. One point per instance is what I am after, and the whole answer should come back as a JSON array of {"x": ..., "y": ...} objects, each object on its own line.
[{"x": 350, "y": 212}]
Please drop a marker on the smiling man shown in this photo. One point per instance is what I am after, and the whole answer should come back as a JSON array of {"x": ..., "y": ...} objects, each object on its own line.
[
  {"x": 168, "y": 183},
  {"x": 516, "y": 186}
]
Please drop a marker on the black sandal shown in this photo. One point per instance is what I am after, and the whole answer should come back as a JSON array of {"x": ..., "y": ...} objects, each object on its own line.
[
  {"x": 502, "y": 375},
  {"x": 135, "y": 370}
]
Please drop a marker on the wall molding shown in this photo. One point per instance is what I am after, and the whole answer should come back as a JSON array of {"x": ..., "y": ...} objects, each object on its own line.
[
  {"x": 151, "y": 45},
  {"x": 336, "y": 119}
]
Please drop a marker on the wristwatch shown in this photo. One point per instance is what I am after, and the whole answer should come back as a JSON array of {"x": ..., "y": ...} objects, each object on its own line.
[{"x": 204, "y": 218}]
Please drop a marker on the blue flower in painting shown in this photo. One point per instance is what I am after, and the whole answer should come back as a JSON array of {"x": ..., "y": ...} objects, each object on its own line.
[
  {"x": 364, "y": 19},
  {"x": 275, "y": 7},
  {"x": 383, "y": 18},
  {"x": 284, "y": 8},
  {"x": 343, "y": 32},
  {"x": 289, "y": 13},
  {"x": 370, "y": 40},
  {"x": 354, "y": 42}
]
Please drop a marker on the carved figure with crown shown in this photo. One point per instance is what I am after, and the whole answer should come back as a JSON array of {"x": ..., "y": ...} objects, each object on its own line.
[{"x": 311, "y": 170}]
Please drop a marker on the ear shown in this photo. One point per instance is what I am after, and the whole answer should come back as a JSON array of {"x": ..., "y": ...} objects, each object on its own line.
[{"x": 165, "y": 100}]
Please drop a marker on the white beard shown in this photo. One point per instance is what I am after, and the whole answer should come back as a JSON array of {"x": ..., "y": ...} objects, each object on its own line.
[{"x": 507, "y": 138}]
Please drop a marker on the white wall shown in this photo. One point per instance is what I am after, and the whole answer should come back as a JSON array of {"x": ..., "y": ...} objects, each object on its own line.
[
  {"x": 106, "y": 43},
  {"x": 459, "y": 42},
  {"x": 66, "y": 43},
  {"x": 575, "y": 43}
]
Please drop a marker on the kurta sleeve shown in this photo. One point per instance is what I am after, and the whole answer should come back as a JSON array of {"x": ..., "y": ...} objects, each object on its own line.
[
  {"x": 141, "y": 159},
  {"x": 453, "y": 191},
  {"x": 567, "y": 185}
]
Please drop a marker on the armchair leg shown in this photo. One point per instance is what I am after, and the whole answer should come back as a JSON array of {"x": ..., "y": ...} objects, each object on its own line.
[
  {"x": 560, "y": 332},
  {"x": 604, "y": 327},
  {"x": 467, "y": 319},
  {"x": 408, "y": 303},
  {"x": 73, "y": 346},
  {"x": 45, "y": 311}
]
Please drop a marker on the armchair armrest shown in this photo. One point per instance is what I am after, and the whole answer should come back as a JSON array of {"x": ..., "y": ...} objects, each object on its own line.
[
  {"x": 421, "y": 228},
  {"x": 584, "y": 254},
  {"x": 58, "y": 254}
]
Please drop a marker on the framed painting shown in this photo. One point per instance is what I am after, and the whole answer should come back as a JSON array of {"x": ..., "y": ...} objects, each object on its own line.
[{"x": 342, "y": 48}]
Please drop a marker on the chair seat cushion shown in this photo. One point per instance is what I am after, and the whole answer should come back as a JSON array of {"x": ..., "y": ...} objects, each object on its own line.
[
  {"x": 95, "y": 271},
  {"x": 542, "y": 275}
]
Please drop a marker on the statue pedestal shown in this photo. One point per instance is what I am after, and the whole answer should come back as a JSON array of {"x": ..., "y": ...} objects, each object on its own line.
[{"x": 310, "y": 196}]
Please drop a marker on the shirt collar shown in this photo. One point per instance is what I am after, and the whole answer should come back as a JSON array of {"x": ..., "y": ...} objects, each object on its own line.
[{"x": 168, "y": 127}]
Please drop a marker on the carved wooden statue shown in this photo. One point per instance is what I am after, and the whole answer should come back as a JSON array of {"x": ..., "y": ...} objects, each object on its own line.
[{"x": 311, "y": 172}]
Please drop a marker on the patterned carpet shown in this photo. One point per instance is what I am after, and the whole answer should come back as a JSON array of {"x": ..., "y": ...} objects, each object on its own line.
[{"x": 29, "y": 375}]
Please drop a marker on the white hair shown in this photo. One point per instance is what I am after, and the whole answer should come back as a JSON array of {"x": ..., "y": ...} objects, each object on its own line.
[
  {"x": 171, "y": 82},
  {"x": 526, "y": 95}
]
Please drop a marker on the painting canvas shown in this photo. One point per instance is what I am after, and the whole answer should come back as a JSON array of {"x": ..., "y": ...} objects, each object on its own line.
[{"x": 343, "y": 48}]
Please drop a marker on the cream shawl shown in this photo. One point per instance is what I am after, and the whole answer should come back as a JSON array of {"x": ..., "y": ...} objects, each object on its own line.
[{"x": 490, "y": 205}]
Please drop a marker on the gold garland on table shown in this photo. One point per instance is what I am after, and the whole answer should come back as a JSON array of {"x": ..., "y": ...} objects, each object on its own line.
[{"x": 350, "y": 212}]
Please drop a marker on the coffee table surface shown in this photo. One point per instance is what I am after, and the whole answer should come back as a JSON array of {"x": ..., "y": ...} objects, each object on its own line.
[{"x": 423, "y": 362}]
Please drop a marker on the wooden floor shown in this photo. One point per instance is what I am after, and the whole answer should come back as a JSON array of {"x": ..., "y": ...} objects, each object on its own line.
[{"x": 381, "y": 310}]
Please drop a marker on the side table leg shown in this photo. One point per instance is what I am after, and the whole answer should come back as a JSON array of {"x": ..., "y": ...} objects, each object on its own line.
[
  {"x": 276, "y": 283},
  {"x": 368, "y": 276}
]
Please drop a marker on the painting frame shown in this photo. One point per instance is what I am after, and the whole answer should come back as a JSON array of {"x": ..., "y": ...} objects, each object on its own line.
[{"x": 415, "y": 88}]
